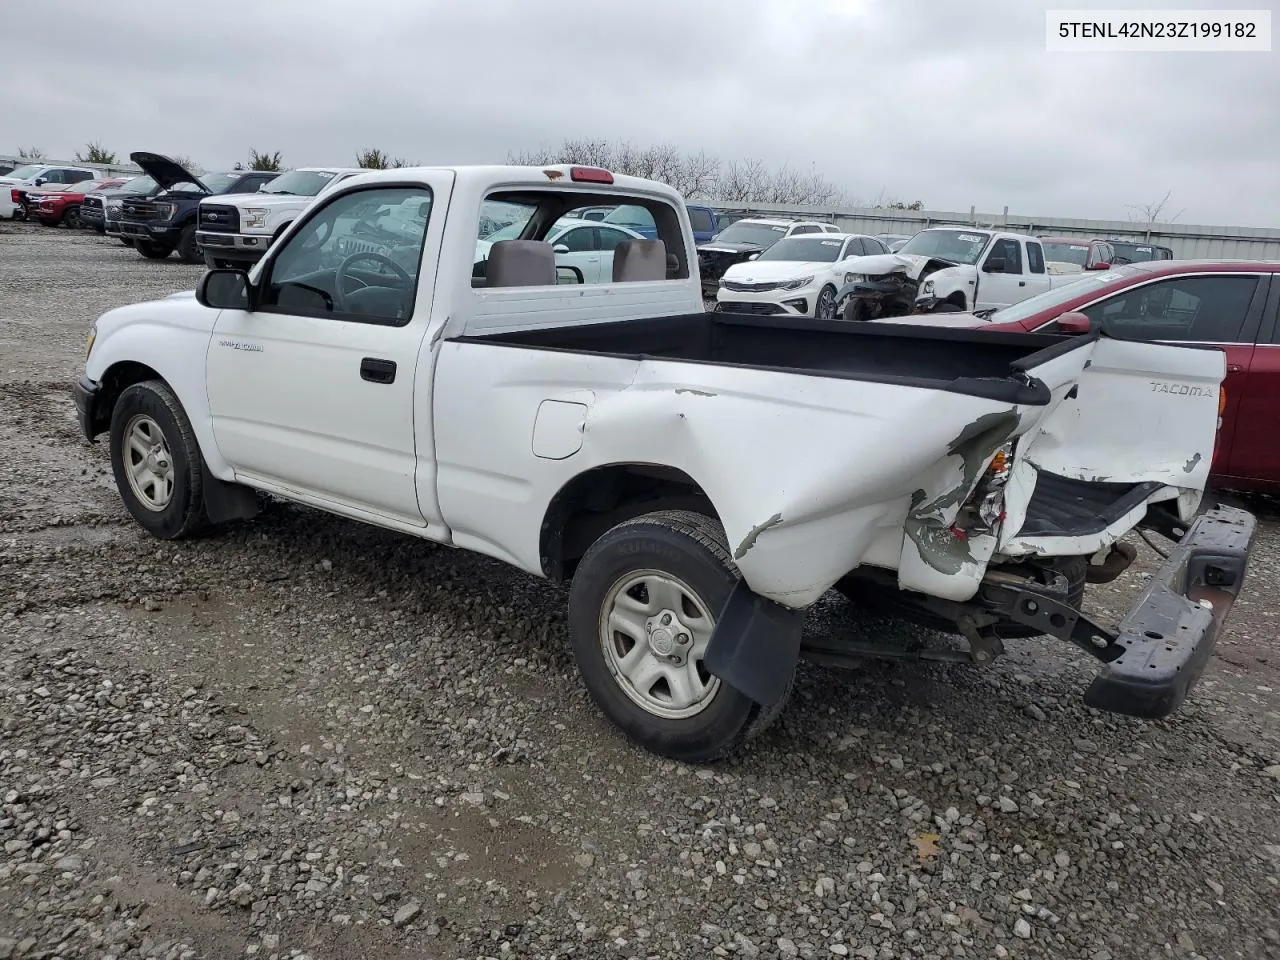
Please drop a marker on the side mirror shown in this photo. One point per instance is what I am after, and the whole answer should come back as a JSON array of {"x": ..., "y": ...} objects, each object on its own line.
[
  {"x": 224, "y": 290},
  {"x": 1074, "y": 323},
  {"x": 561, "y": 248},
  {"x": 994, "y": 265},
  {"x": 40, "y": 181},
  {"x": 1098, "y": 266}
]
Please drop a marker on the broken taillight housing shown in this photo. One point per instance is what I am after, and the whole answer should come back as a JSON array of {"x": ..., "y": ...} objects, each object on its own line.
[{"x": 984, "y": 509}]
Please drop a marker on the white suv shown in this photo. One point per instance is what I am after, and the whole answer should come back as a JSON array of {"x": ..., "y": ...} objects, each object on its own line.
[
  {"x": 18, "y": 181},
  {"x": 236, "y": 230}
]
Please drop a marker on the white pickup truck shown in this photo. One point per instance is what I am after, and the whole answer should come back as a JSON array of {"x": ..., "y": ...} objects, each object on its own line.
[
  {"x": 235, "y": 230},
  {"x": 947, "y": 269},
  {"x": 701, "y": 479}
]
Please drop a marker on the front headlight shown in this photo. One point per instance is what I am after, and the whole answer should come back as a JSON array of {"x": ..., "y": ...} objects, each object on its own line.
[
  {"x": 165, "y": 211},
  {"x": 88, "y": 345},
  {"x": 854, "y": 277},
  {"x": 255, "y": 216},
  {"x": 928, "y": 287},
  {"x": 797, "y": 284}
]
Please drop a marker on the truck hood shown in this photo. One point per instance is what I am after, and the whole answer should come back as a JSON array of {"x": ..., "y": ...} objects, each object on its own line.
[
  {"x": 164, "y": 171},
  {"x": 716, "y": 246},
  {"x": 267, "y": 200},
  {"x": 772, "y": 271},
  {"x": 879, "y": 264}
]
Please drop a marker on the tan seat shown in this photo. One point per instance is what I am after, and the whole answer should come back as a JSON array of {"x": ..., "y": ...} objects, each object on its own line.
[
  {"x": 521, "y": 263},
  {"x": 637, "y": 260}
]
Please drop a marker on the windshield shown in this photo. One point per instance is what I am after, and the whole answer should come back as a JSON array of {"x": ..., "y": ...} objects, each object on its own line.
[
  {"x": 803, "y": 248},
  {"x": 27, "y": 172},
  {"x": 1088, "y": 283},
  {"x": 761, "y": 234},
  {"x": 299, "y": 183},
  {"x": 1063, "y": 252},
  {"x": 215, "y": 182},
  {"x": 631, "y": 215},
  {"x": 958, "y": 246},
  {"x": 1136, "y": 252},
  {"x": 139, "y": 185}
]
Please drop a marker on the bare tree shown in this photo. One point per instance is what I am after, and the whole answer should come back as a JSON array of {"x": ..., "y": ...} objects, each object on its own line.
[
  {"x": 96, "y": 153},
  {"x": 695, "y": 175},
  {"x": 1154, "y": 212},
  {"x": 264, "y": 161},
  {"x": 30, "y": 153},
  {"x": 188, "y": 164},
  {"x": 371, "y": 158}
]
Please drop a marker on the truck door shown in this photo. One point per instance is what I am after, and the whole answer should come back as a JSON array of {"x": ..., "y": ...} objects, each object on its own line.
[
  {"x": 1254, "y": 451},
  {"x": 313, "y": 391},
  {"x": 1001, "y": 280}
]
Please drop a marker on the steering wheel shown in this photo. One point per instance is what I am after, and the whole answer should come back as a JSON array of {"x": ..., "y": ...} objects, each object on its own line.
[{"x": 339, "y": 294}]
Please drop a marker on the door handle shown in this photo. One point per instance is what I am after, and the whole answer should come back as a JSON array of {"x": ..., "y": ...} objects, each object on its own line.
[
  {"x": 377, "y": 371},
  {"x": 1234, "y": 368},
  {"x": 1022, "y": 283}
]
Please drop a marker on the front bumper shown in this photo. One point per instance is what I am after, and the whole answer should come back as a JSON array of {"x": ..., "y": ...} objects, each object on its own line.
[
  {"x": 800, "y": 305},
  {"x": 233, "y": 246},
  {"x": 159, "y": 232},
  {"x": 85, "y": 393},
  {"x": 91, "y": 217},
  {"x": 1170, "y": 633}
]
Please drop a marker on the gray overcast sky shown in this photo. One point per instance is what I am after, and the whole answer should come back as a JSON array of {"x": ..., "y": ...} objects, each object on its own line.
[{"x": 951, "y": 103}]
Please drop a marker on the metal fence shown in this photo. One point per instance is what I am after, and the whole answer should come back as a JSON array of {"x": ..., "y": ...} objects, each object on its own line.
[
  {"x": 1187, "y": 241},
  {"x": 108, "y": 169}
]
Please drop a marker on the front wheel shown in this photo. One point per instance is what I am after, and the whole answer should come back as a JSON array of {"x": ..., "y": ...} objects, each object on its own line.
[
  {"x": 156, "y": 461},
  {"x": 152, "y": 250},
  {"x": 71, "y": 218},
  {"x": 825, "y": 309},
  {"x": 947, "y": 307},
  {"x": 856, "y": 310},
  {"x": 188, "y": 248},
  {"x": 642, "y": 608}
]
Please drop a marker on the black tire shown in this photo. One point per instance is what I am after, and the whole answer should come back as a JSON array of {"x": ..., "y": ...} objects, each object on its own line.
[
  {"x": 692, "y": 549},
  {"x": 151, "y": 250},
  {"x": 825, "y": 308},
  {"x": 188, "y": 249},
  {"x": 152, "y": 401},
  {"x": 71, "y": 218},
  {"x": 947, "y": 307},
  {"x": 856, "y": 310},
  {"x": 127, "y": 241}
]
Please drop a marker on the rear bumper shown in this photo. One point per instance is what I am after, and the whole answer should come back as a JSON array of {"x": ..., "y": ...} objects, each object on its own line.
[{"x": 1170, "y": 633}]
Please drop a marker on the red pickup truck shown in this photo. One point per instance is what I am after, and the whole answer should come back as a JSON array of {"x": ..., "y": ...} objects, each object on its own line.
[{"x": 1231, "y": 305}]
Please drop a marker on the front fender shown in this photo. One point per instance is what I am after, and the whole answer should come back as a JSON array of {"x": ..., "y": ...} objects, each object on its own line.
[{"x": 176, "y": 352}]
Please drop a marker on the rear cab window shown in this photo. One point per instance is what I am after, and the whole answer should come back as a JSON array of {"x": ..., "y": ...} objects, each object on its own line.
[{"x": 586, "y": 251}]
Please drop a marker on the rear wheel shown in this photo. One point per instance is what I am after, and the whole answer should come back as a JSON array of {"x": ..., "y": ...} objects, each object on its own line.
[
  {"x": 642, "y": 608},
  {"x": 156, "y": 461},
  {"x": 152, "y": 250}
]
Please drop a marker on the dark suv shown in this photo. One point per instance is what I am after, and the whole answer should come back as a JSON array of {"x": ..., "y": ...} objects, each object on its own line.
[{"x": 164, "y": 223}]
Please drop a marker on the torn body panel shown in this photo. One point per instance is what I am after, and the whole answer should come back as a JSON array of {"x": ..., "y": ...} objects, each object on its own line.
[{"x": 888, "y": 285}]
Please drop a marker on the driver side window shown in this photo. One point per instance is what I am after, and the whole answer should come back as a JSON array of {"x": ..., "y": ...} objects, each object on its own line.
[{"x": 356, "y": 259}]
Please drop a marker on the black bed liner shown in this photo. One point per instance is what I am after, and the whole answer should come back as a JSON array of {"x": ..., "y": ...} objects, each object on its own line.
[
  {"x": 1065, "y": 507},
  {"x": 974, "y": 362}
]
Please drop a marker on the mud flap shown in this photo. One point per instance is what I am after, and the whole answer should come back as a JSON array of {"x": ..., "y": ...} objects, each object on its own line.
[{"x": 755, "y": 645}]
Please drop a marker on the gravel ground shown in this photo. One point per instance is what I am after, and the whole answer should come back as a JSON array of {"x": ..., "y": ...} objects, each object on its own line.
[{"x": 304, "y": 737}]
